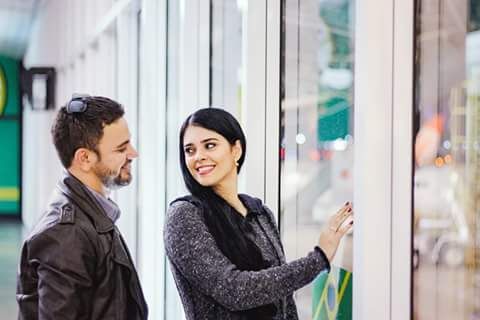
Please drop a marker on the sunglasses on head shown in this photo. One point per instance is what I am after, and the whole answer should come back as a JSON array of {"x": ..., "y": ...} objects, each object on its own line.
[{"x": 78, "y": 103}]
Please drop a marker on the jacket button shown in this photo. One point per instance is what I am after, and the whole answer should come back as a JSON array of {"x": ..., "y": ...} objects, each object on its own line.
[{"x": 67, "y": 214}]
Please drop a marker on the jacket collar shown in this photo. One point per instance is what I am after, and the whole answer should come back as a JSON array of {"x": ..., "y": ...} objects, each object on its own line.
[
  {"x": 254, "y": 205},
  {"x": 78, "y": 193}
]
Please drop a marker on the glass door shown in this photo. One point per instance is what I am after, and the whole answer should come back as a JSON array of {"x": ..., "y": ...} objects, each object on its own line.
[
  {"x": 446, "y": 252},
  {"x": 316, "y": 141}
]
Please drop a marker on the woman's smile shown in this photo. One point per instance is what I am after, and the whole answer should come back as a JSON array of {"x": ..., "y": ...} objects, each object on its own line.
[
  {"x": 210, "y": 157},
  {"x": 205, "y": 169}
]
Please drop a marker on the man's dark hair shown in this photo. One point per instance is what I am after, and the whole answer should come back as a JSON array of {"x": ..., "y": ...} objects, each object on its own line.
[{"x": 71, "y": 131}]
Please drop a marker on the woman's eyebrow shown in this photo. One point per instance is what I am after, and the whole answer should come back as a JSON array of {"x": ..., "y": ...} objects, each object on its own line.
[{"x": 203, "y": 141}]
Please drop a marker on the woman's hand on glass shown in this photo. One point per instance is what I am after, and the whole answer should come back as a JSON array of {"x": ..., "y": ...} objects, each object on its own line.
[{"x": 338, "y": 225}]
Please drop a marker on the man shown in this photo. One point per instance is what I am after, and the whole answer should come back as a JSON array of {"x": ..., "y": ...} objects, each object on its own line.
[{"x": 75, "y": 264}]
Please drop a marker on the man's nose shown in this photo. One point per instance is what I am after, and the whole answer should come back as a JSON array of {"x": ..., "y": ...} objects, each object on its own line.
[{"x": 133, "y": 153}]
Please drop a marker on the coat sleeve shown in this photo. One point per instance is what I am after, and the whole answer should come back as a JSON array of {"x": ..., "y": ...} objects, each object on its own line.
[
  {"x": 64, "y": 259},
  {"x": 193, "y": 251}
]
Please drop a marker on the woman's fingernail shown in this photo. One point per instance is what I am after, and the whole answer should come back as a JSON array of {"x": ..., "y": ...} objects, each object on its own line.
[
  {"x": 351, "y": 222},
  {"x": 347, "y": 203},
  {"x": 349, "y": 210}
]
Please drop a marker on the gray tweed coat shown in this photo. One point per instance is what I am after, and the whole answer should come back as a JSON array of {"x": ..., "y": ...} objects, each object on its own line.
[{"x": 211, "y": 287}]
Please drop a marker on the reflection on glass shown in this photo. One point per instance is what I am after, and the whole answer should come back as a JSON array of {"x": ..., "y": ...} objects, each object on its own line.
[
  {"x": 446, "y": 256},
  {"x": 226, "y": 60},
  {"x": 316, "y": 136}
]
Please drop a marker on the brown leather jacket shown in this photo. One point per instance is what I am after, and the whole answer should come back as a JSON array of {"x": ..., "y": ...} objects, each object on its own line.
[{"x": 76, "y": 265}]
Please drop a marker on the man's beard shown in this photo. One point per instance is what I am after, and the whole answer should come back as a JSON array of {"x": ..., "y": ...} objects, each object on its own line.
[{"x": 110, "y": 179}]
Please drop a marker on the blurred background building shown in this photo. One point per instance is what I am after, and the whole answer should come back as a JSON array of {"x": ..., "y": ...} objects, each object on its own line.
[{"x": 375, "y": 102}]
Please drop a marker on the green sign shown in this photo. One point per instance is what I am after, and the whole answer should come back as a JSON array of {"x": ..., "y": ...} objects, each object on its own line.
[
  {"x": 333, "y": 119},
  {"x": 10, "y": 128},
  {"x": 332, "y": 295},
  {"x": 9, "y": 87},
  {"x": 335, "y": 91},
  {"x": 9, "y": 166}
]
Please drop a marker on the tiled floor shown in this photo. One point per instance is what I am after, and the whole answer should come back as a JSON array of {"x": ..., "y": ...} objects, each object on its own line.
[
  {"x": 10, "y": 242},
  {"x": 442, "y": 292}
]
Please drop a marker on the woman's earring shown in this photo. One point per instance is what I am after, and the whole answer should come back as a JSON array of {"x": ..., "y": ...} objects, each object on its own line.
[{"x": 236, "y": 163}]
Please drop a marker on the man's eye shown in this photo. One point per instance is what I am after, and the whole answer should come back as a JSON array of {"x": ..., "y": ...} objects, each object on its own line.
[{"x": 122, "y": 150}]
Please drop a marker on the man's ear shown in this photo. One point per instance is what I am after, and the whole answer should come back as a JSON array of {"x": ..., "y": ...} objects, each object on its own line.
[
  {"x": 84, "y": 159},
  {"x": 237, "y": 150}
]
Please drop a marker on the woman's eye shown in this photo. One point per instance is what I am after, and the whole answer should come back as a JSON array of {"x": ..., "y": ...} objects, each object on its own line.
[
  {"x": 122, "y": 150},
  {"x": 188, "y": 150},
  {"x": 210, "y": 145}
]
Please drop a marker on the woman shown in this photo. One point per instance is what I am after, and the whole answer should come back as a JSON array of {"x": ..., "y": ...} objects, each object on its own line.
[{"x": 224, "y": 248}]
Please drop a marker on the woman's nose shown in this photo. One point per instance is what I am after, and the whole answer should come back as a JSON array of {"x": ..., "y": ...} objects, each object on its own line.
[{"x": 199, "y": 155}]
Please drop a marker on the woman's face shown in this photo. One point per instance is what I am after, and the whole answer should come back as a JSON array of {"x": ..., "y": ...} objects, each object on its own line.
[{"x": 209, "y": 157}]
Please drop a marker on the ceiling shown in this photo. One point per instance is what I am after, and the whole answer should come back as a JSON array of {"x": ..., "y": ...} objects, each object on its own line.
[{"x": 16, "y": 18}]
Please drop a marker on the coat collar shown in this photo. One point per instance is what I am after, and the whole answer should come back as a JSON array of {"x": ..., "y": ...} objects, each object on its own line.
[
  {"x": 78, "y": 193},
  {"x": 253, "y": 205}
]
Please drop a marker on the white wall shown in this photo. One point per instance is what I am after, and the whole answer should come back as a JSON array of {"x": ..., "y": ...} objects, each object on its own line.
[{"x": 40, "y": 165}]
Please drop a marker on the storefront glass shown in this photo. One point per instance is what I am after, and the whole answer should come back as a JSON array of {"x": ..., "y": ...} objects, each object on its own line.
[
  {"x": 446, "y": 228},
  {"x": 317, "y": 140}
]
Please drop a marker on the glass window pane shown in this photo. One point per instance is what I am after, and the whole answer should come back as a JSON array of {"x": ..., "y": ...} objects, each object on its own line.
[
  {"x": 446, "y": 256},
  {"x": 226, "y": 59},
  {"x": 317, "y": 136}
]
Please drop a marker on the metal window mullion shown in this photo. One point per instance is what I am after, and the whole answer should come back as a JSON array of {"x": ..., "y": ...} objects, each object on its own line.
[
  {"x": 373, "y": 159},
  {"x": 152, "y": 147},
  {"x": 402, "y": 160},
  {"x": 272, "y": 108},
  {"x": 254, "y": 88},
  {"x": 203, "y": 34}
]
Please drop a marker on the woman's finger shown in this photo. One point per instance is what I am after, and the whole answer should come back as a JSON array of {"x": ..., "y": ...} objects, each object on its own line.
[
  {"x": 341, "y": 215},
  {"x": 335, "y": 220},
  {"x": 346, "y": 225},
  {"x": 345, "y": 216}
]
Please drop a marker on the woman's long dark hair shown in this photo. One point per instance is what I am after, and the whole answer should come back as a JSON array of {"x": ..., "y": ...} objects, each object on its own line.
[{"x": 230, "y": 234}]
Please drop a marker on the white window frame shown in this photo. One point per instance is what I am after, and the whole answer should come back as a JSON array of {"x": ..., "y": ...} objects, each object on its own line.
[
  {"x": 152, "y": 149},
  {"x": 402, "y": 162},
  {"x": 253, "y": 110},
  {"x": 383, "y": 159},
  {"x": 272, "y": 107},
  {"x": 383, "y": 126},
  {"x": 261, "y": 110}
]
